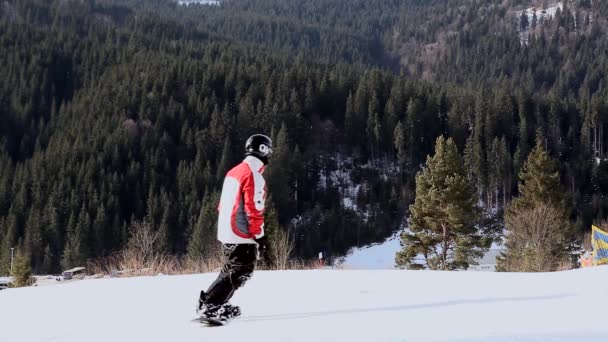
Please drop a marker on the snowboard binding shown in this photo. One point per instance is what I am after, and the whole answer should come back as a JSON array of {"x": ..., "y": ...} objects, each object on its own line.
[{"x": 216, "y": 314}]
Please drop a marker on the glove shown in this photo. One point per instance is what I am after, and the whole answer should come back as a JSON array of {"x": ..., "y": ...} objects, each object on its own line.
[{"x": 262, "y": 244}]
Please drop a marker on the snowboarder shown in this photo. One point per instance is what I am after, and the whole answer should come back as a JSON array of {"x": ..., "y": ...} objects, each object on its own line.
[{"x": 240, "y": 229}]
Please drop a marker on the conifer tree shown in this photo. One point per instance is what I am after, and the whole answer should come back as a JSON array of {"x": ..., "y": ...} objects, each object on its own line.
[
  {"x": 47, "y": 261},
  {"x": 443, "y": 225},
  {"x": 271, "y": 229},
  {"x": 539, "y": 179},
  {"x": 413, "y": 129},
  {"x": 77, "y": 249},
  {"x": 225, "y": 161},
  {"x": 278, "y": 172},
  {"x": 203, "y": 237},
  {"x": 539, "y": 234},
  {"x": 399, "y": 141},
  {"x": 22, "y": 270}
]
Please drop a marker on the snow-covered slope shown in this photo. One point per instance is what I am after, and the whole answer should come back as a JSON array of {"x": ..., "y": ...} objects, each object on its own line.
[
  {"x": 376, "y": 256},
  {"x": 320, "y": 305}
]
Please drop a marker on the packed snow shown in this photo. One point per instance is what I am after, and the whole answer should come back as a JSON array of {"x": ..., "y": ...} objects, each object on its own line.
[{"x": 320, "y": 305}]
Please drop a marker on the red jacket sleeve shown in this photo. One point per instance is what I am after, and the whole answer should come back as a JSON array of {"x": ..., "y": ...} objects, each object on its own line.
[{"x": 253, "y": 198}]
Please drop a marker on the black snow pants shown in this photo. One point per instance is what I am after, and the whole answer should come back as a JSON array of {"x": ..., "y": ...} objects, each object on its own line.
[{"x": 239, "y": 263}]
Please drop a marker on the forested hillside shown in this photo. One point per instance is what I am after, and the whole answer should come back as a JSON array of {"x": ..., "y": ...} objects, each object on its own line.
[{"x": 114, "y": 111}]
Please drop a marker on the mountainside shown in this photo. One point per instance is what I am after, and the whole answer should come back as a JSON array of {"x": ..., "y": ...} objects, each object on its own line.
[
  {"x": 120, "y": 111},
  {"x": 320, "y": 305}
]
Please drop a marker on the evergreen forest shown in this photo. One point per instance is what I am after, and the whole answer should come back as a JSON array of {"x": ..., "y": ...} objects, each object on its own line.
[{"x": 116, "y": 111}]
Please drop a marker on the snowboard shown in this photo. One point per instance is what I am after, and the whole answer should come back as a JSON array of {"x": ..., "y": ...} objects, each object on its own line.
[{"x": 212, "y": 321}]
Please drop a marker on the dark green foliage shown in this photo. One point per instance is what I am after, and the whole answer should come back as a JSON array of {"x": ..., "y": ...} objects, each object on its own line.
[
  {"x": 204, "y": 235},
  {"x": 271, "y": 230},
  {"x": 444, "y": 226},
  {"x": 539, "y": 233},
  {"x": 22, "y": 271},
  {"x": 539, "y": 180},
  {"x": 115, "y": 110}
]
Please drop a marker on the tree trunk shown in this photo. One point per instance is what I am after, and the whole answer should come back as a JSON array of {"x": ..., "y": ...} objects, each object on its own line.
[{"x": 444, "y": 252}]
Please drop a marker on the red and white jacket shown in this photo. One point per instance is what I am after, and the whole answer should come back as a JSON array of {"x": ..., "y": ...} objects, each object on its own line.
[{"x": 241, "y": 208}]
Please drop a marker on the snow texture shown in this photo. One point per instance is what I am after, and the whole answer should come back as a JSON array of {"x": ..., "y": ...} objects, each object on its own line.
[
  {"x": 342, "y": 178},
  {"x": 320, "y": 305},
  {"x": 541, "y": 15},
  {"x": 199, "y": 2},
  {"x": 376, "y": 256},
  {"x": 381, "y": 256}
]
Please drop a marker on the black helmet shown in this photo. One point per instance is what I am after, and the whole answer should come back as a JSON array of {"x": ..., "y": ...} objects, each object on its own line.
[{"x": 260, "y": 146}]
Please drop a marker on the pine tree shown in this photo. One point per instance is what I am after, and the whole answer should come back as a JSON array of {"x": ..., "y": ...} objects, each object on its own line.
[
  {"x": 99, "y": 226},
  {"x": 164, "y": 230},
  {"x": 225, "y": 161},
  {"x": 22, "y": 270},
  {"x": 539, "y": 179},
  {"x": 350, "y": 119},
  {"x": 523, "y": 146},
  {"x": 399, "y": 140},
  {"x": 505, "y": 170},
  {"x": 373, "y": 126},
  {"x": 47, "y": 261},
  {"x": 271, "y": 229},
  {"x": 523, "y": 21},
  {"x": 413, "y": 130},
  {"x": 77, "y": 248},
  {"x": 278, "y": 173},
  {"x": 539, "y": 234},
  {"x": 478, "y": 160},
  {"x": 203, "y": 237},
  {"x": 443, "y": 222}
]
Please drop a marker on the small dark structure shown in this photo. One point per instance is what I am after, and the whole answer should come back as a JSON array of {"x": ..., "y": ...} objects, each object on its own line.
[{"x": 74, "y": 272}]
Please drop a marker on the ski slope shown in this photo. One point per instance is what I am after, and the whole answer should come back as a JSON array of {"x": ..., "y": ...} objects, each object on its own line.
[{"x": 320, "y": 305}]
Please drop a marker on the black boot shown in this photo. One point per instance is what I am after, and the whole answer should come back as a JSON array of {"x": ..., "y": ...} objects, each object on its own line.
[
  {"x": 202, "y": 301},
  {"x": 231, "y": 311},
  {"x": 222, "y": 313},
  {"x": 213, "y": 311}
]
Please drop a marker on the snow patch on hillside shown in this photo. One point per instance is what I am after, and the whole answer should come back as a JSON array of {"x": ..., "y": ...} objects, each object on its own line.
[
  {"x": 341, "y": 175},
  {"x": 342, "y": 179},
  {"x": 541, "y": 16},
  {"x": 375, "y": 256},
  {"x": 381, "y": 256}
]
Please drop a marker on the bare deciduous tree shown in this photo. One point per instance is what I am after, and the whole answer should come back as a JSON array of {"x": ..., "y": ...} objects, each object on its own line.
[
  {"x": 282, "y": 247},
  {"x": 537, "y": 239},
  {"x": 143, "y": 241}
]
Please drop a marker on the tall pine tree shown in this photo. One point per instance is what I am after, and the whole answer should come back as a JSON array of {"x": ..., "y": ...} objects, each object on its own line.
[
  {"x": 443, "y": 226},
  {"x": 539, "y": 233}
]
